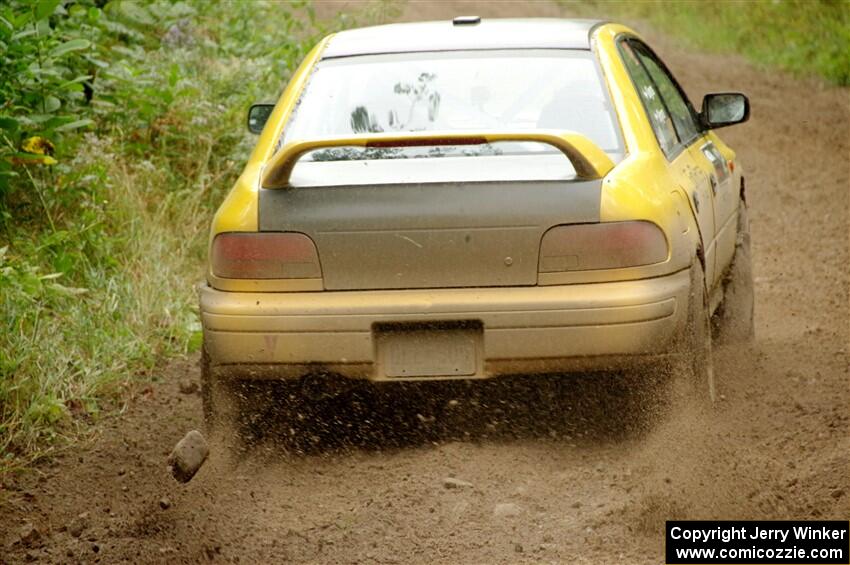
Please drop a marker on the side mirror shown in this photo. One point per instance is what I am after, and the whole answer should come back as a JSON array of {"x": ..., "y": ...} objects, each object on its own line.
[
  {"x": 258, "y": 115},
  {"x": 724, "y": 109}
]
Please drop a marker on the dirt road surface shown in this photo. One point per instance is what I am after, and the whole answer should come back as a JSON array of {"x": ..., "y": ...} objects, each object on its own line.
[{"x": 572, "y": 471}]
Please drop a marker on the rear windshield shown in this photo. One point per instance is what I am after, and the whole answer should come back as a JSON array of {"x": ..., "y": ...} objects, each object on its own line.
[{"x": 460, "y": 90}]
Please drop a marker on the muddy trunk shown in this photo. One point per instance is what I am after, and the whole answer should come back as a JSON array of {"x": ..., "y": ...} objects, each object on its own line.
[{"x": 372, "y": 235}]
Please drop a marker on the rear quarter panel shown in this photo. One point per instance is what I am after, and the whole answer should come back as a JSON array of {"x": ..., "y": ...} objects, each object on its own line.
[
  {"x": 238, "y": 212},
  {"x": 642, "y": 186}
]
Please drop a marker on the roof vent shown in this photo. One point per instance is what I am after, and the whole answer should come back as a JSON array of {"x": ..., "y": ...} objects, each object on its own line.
[{"x": 467, "y": 20}]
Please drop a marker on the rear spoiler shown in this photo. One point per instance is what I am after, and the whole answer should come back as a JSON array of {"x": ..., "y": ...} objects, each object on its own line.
[{"x": 588, "y": 160}]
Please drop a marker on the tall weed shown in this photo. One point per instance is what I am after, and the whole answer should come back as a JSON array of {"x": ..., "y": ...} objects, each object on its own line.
[{"x": 122, "y": 125}]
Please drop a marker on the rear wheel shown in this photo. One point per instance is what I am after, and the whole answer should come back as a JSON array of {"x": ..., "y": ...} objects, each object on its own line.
[
  {"x": 694, "y": 371},
  {"x": 221, "y": 410},
  {"x": 734, "y": 317},
  {"x": 242, "y": 411}
]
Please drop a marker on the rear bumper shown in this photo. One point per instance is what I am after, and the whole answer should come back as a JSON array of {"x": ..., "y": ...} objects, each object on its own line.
[{"x": 525, "y": 329}]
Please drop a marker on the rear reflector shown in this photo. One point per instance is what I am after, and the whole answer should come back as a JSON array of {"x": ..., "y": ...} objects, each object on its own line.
[
  {"x": 265, "y": 256},
  {"x": 601, "y": 246}
]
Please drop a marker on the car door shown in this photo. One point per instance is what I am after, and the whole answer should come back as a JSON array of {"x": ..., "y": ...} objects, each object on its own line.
[
  {"x": 716, "y": 169},
  {"x": 674, "y": 123}
]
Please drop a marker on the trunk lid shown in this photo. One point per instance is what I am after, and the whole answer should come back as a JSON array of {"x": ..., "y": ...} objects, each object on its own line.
[{"x": 430, "y": 223}]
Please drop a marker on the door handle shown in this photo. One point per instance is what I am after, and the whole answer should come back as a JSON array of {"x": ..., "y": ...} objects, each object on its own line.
[{"x": 713, "y": 180}]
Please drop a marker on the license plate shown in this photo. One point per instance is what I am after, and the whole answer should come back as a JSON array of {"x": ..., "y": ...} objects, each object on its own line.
[{"x": 451, "y": 352}]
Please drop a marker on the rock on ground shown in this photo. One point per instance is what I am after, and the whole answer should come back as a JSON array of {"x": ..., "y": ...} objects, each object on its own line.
[
  {"x": 188, "y": 456},
  {"x": 78, "y": 525},
  {"x": 29, "y": 535},
  {"x": 451, "y": 482}
]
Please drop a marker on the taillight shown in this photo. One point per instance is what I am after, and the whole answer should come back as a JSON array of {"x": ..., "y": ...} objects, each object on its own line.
[
  {"x": 264, "y": 256},
  {"x": 601, "y": 246}
]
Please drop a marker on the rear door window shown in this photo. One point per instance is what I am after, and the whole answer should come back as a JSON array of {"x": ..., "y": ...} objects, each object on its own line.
[
  {"x": 657, "y": 112},
  {"x": 677, "y": 104}
]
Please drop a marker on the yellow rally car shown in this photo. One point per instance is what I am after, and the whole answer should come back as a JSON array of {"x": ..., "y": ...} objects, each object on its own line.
[{"x": 467, "y": 199}]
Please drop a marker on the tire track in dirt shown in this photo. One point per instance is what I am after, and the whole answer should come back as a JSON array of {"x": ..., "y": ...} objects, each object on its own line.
[{"x": 552, "y": 479}]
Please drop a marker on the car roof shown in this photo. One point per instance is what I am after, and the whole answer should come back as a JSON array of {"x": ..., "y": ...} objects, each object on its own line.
[{"x": 530, "y": 33}]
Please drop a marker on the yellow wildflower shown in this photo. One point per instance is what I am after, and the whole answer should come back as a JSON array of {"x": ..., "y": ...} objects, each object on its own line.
[{"x": 39, "y": 146}]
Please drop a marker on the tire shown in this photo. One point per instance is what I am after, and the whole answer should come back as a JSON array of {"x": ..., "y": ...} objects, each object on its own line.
[
  {"x": 221, "y": 403},
  {"x": 694, "y": 371},
  {"x": 734, "y": 317},
  {"x": 241, "y": 411},
  {"x": 206, "y": 393}
]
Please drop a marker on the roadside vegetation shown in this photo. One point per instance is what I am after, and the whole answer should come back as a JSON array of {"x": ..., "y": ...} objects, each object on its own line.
[
  {"x": 121, "y": 127},
  {"x": 805, "y": 37}
]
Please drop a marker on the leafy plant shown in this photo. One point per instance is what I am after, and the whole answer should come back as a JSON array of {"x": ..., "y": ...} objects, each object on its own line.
[
  {"x": 121, "y": 127},
  {"x": 44, "y": 53}
]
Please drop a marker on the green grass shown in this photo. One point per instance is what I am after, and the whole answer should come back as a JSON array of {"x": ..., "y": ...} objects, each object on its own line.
[
  {"x": 805, "y": 37},
  {"x": 100, "y": 251}
]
